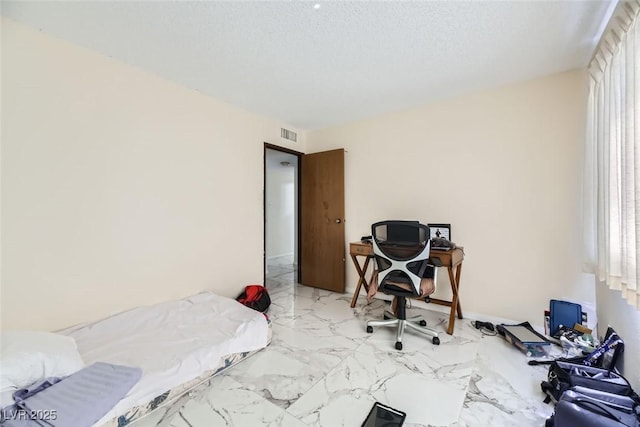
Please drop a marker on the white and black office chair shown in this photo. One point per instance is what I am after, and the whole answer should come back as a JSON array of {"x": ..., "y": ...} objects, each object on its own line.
[{"x": 401, "y": 250}]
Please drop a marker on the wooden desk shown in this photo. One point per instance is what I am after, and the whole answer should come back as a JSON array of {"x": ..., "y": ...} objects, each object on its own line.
[{"x": 451, "y": 260}]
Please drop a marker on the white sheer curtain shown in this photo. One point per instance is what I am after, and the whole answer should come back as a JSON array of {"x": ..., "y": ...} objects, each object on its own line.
[{"x": 612, "y": 157}]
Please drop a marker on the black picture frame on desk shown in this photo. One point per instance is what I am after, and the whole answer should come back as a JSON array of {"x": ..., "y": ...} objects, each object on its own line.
[{"x": 440, "y": 230}]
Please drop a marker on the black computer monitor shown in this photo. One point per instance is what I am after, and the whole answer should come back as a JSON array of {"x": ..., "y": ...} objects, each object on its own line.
[{"x": 403, "y": 232}]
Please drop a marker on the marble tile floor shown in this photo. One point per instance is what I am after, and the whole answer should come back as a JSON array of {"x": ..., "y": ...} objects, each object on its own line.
[{"x": 323, "y": 369}]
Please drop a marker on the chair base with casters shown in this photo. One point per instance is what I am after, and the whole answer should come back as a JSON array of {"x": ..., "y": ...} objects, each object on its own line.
[{"x": 401, "y": 322}]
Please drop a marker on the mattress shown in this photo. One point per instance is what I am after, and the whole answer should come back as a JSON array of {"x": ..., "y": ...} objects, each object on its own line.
[
  {"x": 171, "y": 401},
  {"x": 177, "y": 344}
]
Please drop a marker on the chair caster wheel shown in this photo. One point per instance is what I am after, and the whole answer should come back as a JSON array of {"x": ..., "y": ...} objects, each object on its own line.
[
  {"x": 436, "y": 341},
  {"x": 398, "y": 345},
  {"x": 423, "y": 323},
  {"x": 369, "y": 329}
]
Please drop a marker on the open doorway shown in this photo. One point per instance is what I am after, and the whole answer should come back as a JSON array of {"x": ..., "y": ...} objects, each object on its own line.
[{"x": 281, "y": 215}]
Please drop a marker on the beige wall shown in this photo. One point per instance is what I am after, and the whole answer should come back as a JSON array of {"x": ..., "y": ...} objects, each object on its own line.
[
  {"x": 502, "y": 166},
  {"x": 119, "y": 188}
]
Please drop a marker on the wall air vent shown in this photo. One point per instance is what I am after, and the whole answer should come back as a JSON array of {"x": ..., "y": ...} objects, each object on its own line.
[{"x": 288, "y": 134}]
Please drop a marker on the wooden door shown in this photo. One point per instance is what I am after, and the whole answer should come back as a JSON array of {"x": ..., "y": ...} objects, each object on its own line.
[{"x": 322, "y": 235}]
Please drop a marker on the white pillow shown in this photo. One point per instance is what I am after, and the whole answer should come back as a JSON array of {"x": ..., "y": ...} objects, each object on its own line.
[{"x": 27, "y": 357}]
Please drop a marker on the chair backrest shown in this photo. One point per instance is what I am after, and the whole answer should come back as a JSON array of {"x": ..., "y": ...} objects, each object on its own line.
[{"x": 401, "y": 250}]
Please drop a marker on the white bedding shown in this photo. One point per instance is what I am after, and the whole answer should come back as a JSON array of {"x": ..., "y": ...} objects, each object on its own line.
[{"x": 172, "y": 342}]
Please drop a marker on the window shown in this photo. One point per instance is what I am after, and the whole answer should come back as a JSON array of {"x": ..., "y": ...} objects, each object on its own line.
[{"x": 612, "y": 156}]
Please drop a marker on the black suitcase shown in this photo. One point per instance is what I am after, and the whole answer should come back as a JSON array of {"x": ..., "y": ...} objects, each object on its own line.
[{"x": 585, "y": 407}]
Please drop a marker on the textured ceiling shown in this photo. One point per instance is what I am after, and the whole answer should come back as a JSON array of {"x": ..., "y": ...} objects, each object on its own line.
[{"x": 314, "y": 67}]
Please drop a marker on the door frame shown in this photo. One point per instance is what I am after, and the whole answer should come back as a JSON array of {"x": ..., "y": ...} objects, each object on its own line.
[{"x": 298, "y": 213}]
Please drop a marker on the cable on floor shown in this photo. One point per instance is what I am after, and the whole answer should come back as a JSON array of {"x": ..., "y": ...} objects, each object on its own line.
[{"x": 486, "y": 328}]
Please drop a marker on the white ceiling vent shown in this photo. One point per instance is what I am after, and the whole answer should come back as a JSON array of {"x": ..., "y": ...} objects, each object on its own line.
[{"x": 288, "y": 134}]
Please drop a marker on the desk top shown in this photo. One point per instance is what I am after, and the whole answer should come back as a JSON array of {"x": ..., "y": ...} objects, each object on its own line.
[{"x": 449, "y": 258}]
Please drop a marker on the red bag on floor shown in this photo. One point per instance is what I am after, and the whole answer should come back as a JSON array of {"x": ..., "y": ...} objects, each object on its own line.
[{"x": 255, "y": 297}]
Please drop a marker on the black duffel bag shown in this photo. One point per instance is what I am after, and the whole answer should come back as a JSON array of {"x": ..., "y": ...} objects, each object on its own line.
[
  {"x": 584, "y": 407},
  {"x": 564, "y": 375}
]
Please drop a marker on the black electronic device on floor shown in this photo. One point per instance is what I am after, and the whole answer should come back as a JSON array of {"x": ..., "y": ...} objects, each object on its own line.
[{"x": 384, "y": 416}]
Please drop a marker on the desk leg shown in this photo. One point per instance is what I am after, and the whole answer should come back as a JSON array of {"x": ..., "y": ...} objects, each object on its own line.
[
  {"x": 455, "y": 302},
  {"x": 361, "y": 279},
  {"x": 458, "y": 271}
]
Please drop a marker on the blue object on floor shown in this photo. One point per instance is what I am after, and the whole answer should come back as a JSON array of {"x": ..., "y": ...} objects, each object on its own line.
[{"x": 563, "y": 313}]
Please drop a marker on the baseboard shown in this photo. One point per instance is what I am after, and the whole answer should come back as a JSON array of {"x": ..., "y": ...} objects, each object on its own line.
[{"x": 468, "y": 315}]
